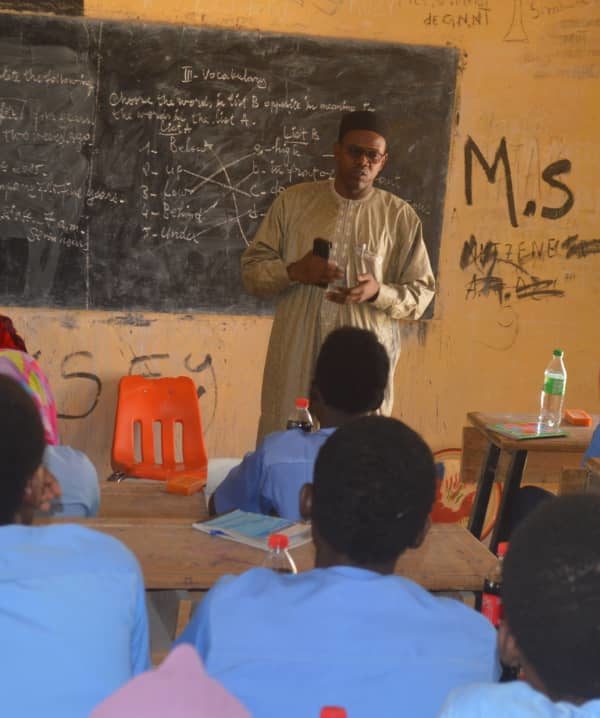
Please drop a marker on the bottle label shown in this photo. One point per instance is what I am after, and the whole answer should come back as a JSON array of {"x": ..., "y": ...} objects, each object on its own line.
[
  {"x": 491, "y": 608},
  {"x": 554, "y": 385}
]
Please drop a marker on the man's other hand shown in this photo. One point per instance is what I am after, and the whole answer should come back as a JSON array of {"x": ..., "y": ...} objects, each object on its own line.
[
  {"x": 312, "y": 269},
  {"x": 366, "y": 290}
]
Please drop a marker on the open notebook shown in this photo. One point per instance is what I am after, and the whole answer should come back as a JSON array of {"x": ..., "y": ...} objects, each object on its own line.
[{"x": 255, "y": 529}]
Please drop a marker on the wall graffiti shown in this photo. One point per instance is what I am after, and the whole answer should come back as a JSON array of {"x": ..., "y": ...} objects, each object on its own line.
[
  {"x": 501, "y": 158},
  {"x": 147, "y": 365},
  {"x": 509, "y": 270},
  {"x": 68, "y": 359}
]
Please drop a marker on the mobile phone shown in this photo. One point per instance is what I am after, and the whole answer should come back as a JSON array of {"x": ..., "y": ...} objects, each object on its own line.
[{"x": 321, "y": 247}]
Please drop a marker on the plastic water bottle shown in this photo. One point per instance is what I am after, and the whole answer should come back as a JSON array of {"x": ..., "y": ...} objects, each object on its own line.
[
  {"x": 553, "y": 391},
  {"x": 278, "y": 559},
  {"x": 300, "y": 417}
]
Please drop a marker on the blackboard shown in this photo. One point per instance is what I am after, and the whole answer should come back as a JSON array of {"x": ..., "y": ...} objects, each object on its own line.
[{"x": 136, "y": 161}]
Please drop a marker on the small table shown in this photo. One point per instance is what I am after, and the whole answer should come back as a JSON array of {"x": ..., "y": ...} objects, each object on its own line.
[
  {"x": 576, "y": 441},
  {"x": 592, "y": 479},
  {"x": 143, "y": 498},
  {"x": 173, "y": 555}
]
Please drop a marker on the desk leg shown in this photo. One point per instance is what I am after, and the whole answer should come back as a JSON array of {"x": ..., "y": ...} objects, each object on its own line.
[
  {"x": 484, "y": 489},
  {"x": 511, "y": 488}
]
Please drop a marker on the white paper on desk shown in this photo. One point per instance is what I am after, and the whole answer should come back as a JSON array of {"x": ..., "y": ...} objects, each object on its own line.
[{"x": 254, "y": 529}]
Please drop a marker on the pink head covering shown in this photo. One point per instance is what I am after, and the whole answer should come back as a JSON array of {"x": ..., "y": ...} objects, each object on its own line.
[
  {"x": 179, "y": 688},
  {"x": 24, "y": 369}
]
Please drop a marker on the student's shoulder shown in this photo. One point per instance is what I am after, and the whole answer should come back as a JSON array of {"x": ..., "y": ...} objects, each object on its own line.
[
  {"x": 94, "y": 547},
  {"x": 291, "y": 437},
  {"x": 516, "y": 699},
  {"x": 456, "y": 611},
  {"x": 257, "y": 584}
]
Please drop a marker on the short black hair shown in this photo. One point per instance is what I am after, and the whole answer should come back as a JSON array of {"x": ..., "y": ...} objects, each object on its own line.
[
  {"x": 364, "y": 120},
  {"x": 373, "y": 488},
  {"x": 352, "y": 370},
  {"x": 23, "y": 443},
  {"x": 551, "y": 594}
]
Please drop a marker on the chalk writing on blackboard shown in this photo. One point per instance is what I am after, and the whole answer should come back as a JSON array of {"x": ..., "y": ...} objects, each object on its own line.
[{"x": 136, "y": 162}]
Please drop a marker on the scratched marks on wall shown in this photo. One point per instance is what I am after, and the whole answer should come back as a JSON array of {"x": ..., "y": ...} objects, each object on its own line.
[
  {"x": 327, "y": 7},
  {"x": 60, "y": 7},
  {"x": 509, "y": 270},
  {"x": 571, "y": 28},
  {"x": 79, "y": 366}
]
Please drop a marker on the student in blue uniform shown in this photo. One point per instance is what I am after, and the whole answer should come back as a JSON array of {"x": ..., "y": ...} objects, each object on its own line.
[
  {"x": 593, "y": 450},
  {"x": 72, "y": 609},
  {"x": 551, "y": 628},
  {"x": 74, "y": 472},
  {"x": 348, "y": 632},
  {"x": 350, "y": 379}
]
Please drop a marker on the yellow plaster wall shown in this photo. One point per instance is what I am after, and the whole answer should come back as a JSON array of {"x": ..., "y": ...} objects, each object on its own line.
[{"x": 531, "y": 74}]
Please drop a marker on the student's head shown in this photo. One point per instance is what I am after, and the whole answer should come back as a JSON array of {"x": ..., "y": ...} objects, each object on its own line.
[
  {"x": 360, "y": 153},
  {"x": 551, "y": 596},
  {"x": 351, "y": 375},
  {"x": 23, "y": 443},
  {"x": 373, "y": 489}
]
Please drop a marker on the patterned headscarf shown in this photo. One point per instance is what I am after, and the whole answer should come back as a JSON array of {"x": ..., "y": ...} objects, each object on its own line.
[
  {"x": 9, "y": 338},
  {"x": 24, "y": 369}
]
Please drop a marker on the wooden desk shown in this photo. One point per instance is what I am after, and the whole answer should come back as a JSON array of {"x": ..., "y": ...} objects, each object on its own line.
[
  {"x": 175, "y": 556},
  {"x": 139, "y": 498},
  {"x": 594, "y": 466},
  {"x": 576, "y": 442},
  {"x": 592, "y": 475}
]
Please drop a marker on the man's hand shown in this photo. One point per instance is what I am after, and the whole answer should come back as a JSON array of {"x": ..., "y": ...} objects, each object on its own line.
[
  {"x": 367, "y": 289},
  {"x": 312, "y": 269}
]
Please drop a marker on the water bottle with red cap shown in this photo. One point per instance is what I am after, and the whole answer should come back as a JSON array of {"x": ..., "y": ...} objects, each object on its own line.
[
  {"x": 278, "y": 559},
  {"x": 491, "y": 603},
  {"x": 300, "y": 417},
  {"x": 333, "y": 712}
]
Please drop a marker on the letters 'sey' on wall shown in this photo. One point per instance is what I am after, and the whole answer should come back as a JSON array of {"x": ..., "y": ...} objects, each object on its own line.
[{"x": 519, "y": 270}]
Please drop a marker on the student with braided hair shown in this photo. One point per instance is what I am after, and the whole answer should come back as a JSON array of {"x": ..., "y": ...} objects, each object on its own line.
[
  {"x": 551, "y": 628},
  {"x": 349, "y": 632}
]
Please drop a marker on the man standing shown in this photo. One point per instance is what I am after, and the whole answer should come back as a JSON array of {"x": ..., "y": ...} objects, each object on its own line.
[{"x": 381, "y": 271}]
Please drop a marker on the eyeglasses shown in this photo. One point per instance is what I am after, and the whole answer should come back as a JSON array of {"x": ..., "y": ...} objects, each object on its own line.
[{"x": 356, "y": 152}]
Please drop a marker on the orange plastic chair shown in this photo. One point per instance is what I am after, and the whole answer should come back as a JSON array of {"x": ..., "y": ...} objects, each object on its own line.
[{"x": 158, "y": 433}]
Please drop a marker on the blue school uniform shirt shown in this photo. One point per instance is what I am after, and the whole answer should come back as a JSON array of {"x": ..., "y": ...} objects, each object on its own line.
[
  {"x": 73, "y": 620},
  {"x": 376, "y": 645},
  {"x": 593, "y": 450},
  {"x": 270, "y": 478},
  {"x": 78, "y": 480},
  {"x": 516, "y": 699}
]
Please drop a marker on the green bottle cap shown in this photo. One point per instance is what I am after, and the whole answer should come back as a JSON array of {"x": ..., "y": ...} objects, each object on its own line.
[{"x": 558, "y": 352}]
